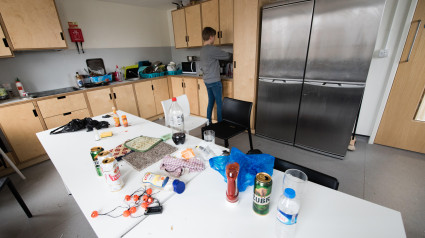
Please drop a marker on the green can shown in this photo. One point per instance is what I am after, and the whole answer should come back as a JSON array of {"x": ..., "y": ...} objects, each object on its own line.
[
  {"x": 262, "y": 193},
  {"x": 94, "y": 152}
]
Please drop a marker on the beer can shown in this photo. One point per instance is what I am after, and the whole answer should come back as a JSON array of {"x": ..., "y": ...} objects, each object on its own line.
[
  {"x": 262, "y": 193},
  {"x": 94, "y": 153},
  {"x": 103, "y": 155},
  {"x": 111, "y": 172}
]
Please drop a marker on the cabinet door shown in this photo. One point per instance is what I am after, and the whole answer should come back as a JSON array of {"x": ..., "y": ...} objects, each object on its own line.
[
  {"x": 210, "y": 16},
  {"x": 100, "y": 101},
  {"x": 145, "y": 99},
  {"x": 179, "y": 27},
  {"x": 203, "y": 100},
  {"x": 5, "y": 50},
  {"x": 177, "y": 86},
  {"x": 191, "y": 91},
  {"x": 227, "y": 88},
  {"x": 226, "y": 21},
  {"x": 193, "y": 25},
  {"x": 160, "y": 91},
  {"x": 32, "y": 24},
  {"x": 19, "y": 124},
  {"x": 60, "y": 120},
  {"x": 125, "y": 99}
]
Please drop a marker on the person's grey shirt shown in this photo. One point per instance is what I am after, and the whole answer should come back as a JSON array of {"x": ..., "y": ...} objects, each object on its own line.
[{"x": 210, "y": 55}]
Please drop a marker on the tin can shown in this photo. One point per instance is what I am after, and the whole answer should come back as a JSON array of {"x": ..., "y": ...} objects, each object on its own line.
[
  {"x": 94, "y": 152},
  {"x": 103, "y": 155},
  {"x": 112, "y": 174},
  {"x": 262, "y": 193}
]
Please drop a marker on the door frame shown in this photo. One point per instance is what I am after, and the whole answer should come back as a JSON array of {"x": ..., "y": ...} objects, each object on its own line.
[{"x": 391, "y": 74}]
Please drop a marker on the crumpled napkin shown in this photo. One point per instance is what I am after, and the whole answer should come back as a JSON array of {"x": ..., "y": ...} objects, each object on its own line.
[{"x": 176, "y": 166}]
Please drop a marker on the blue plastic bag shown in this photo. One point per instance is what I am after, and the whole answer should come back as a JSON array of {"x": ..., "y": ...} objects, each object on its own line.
[{"x": 250, "y": 165}]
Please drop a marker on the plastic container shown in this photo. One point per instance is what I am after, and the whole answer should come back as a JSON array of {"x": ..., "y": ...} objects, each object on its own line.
[
  {"x": 163, "y": 182},
  {"x": 287, "y": 214},
  {"x": 176, "y": 122},
  {"x": 152, "y": 75},
  {"x": 20, "y": 88},
  {"x": 80, "y": 83},
  {"x": 177, "y": 72}
]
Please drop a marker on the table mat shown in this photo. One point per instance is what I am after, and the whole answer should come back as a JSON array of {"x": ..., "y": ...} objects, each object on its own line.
[{"x": 141, "y": 160}]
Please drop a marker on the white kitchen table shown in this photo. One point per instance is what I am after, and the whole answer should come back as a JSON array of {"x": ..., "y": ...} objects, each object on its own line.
[
  {"x": 70, "y": 154},
  {"x": 202, "y": 211}
]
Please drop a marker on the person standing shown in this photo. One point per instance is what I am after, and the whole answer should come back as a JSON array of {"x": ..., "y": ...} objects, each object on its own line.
[{"x": 210, "y": 56}]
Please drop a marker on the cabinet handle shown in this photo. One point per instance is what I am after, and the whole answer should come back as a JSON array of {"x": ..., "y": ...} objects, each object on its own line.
[
  {"x": 67, "y": 113},
  {"x": 63, "y": 38},
  {"x": 187, "y": 38},
  {"x": 152, "y": 87},
  {"x": 115, "y": 96},
  {"x": 5, "y": 43},
  {"x": 110, "y": 96},
  {"x": 35, "y": 113},
  {"x": 234, "y": 64},
  {"x": 61, "y": 97},
  {"x": 199, "y": 87},
  {"x": 182, "y": 85}
]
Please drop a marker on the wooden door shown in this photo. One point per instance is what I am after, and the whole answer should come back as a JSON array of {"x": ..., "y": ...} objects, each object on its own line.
[
  {"x": 32, "y": 24},
  {"x": 145, "y": 99},
  {"x": 20, "y": 123},
  {"x": 399, "y": 126},
  {"x": 191, "y": 91},
  {"x": 160, "y": 91},
  {"x": 246, "y": 36},
  {"x": 177, "y": 86},
  {"x": 227, "y": 88},
  {"x": 125, "y": 99},
  {"x": 226, "y": 22},
  {"x": 203, "y": 100},
  {"x": 210, "y": 17},
  {"x": 60, "y": 120},
  {"x": 179, "y": 28},
  {"x": 193, "y": 25},
  {"x": 5, "y": 50},
  {"x": 100, "y": 101}
]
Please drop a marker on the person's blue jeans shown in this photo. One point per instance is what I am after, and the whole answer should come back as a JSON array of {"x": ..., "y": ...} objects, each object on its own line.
[{"x": 214, "y": 96}]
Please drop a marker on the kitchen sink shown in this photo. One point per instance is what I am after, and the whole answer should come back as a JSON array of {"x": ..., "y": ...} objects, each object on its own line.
[{"x": 52, "y": 92}]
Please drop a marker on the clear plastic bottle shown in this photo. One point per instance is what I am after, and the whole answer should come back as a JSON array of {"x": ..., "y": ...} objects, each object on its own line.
[
  {"x": 176, "y": 122},
  {"x": 163, "y": 182},
  {"x": 80, "y": 83},
  {"x": 287, "y": 214}
]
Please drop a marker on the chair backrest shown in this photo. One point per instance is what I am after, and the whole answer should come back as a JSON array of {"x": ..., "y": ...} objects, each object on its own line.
[
  {"x": 182, "y": 100},
  {"x": 313, "y": 175},
  {"x": 237, "y": 111}
]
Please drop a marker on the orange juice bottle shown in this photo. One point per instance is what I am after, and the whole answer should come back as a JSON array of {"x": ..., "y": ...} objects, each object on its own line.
[{"x": 124, "y": 121}]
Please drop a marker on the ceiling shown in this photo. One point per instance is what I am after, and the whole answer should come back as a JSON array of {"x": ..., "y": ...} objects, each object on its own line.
[{"x": 159, "y": 4}]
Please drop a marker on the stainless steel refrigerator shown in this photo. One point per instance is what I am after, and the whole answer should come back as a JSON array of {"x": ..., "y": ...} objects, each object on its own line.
[{"x": 314, "y": 61}]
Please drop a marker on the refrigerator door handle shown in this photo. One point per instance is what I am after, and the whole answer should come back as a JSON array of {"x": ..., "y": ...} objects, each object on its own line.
[
  {"x": 281, "y": 80},
  {"x": 335, "y": 85}
]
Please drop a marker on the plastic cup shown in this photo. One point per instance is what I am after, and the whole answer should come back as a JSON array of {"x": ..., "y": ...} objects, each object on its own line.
[
  {"x": 209, "y": 136},
  {"x": 295, "y": 179}
]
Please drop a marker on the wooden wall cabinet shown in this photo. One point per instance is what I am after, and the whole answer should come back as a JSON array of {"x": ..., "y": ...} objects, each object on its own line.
[
  {"x": 5, "y": 49},
  {"x": 193, "y": 25},
  {"x": 226, "y": 22},
  {"x": 179, "y": 28},
  {"x": 210, "y": 17},
  {"x": 20, "y": 123},
  {"x": 101, "y": 101},
  {"x": 32, "y": 24},
  {"x": 124, "y": 99}
]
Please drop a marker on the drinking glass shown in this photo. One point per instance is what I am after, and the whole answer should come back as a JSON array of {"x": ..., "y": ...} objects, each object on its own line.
[
  {"x": 209, "y": 136},
  {"x": 295, "y": 179}
]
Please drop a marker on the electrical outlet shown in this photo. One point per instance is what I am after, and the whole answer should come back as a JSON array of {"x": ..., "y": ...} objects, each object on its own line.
[{"x": 383, "y": 53}]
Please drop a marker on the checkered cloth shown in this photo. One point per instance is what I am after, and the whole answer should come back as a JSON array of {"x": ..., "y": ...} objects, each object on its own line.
[{"x": 177, "y": 166}]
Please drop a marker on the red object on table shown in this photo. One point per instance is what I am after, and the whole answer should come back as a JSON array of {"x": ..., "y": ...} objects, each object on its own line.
[{"x": 232, "y": 193}]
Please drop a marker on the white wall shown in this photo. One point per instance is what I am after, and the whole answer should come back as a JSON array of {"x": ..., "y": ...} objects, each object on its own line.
[
  {"x": 115, "y": 25},
  {"x": 379, "y": 75}
]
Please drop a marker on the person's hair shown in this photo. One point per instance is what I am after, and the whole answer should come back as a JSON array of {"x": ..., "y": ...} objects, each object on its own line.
[{"x": 207, "y": 32}]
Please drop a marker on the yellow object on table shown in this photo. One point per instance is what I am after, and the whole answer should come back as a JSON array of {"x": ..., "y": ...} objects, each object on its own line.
[{"x": 105, "y": 134}]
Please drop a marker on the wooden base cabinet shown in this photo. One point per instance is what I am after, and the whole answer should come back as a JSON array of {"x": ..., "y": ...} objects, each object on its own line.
[
  {"x": 160, "y": 92},
  {"x": 101, "y": 101},
  {"x": 20, "y": 123},
  {"x": 125, "y": 99},
  {"x": 145, "y": 99},
  {"x": 60, "y": 120}
]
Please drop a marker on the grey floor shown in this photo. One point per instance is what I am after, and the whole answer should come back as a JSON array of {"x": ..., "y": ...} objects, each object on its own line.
[{"x": 390, "y": 177}]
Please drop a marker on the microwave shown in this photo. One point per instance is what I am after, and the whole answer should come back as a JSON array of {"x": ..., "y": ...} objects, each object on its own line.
[{"x": 190, "y": 67}]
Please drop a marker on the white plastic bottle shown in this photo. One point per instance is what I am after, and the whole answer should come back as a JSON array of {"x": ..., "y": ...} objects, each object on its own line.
[
  {"x": 176, "y": 122},
  {"x": 20, "y": 88},
  {"x": 163, "y": 182},
  {"x": 287, "y": 214}
]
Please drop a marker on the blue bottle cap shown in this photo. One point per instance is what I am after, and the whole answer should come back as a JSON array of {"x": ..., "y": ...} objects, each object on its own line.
[
  {"x": 179, "y": 186},
  {"x": 289, "y": 193}
]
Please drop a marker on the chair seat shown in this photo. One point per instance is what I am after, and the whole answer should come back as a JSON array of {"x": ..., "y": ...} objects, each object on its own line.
[
  {"x": 193, "y": 122},
  {"x": 3, "y": 182},
  {"x": 225, "y": 130}
]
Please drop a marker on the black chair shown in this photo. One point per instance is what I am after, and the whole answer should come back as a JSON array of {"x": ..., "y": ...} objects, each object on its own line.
[
  {"x": 236, "y": 119},
  {"x": 313, "y": 175},
  {"x": 6, "y": 181}
]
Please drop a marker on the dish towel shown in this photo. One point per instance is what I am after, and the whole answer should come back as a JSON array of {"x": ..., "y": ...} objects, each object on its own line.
[
  {"x": 176, "y": 166},
  {"x": 141, "y": 160}
]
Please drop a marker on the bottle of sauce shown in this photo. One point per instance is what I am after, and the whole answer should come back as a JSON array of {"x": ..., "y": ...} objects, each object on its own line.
[
  {"x": 20, "y": 88},
  {"x": 232, "y": 193},
  {"x": 124, "y": 120},
  {"x": 116, "y": 117}
]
